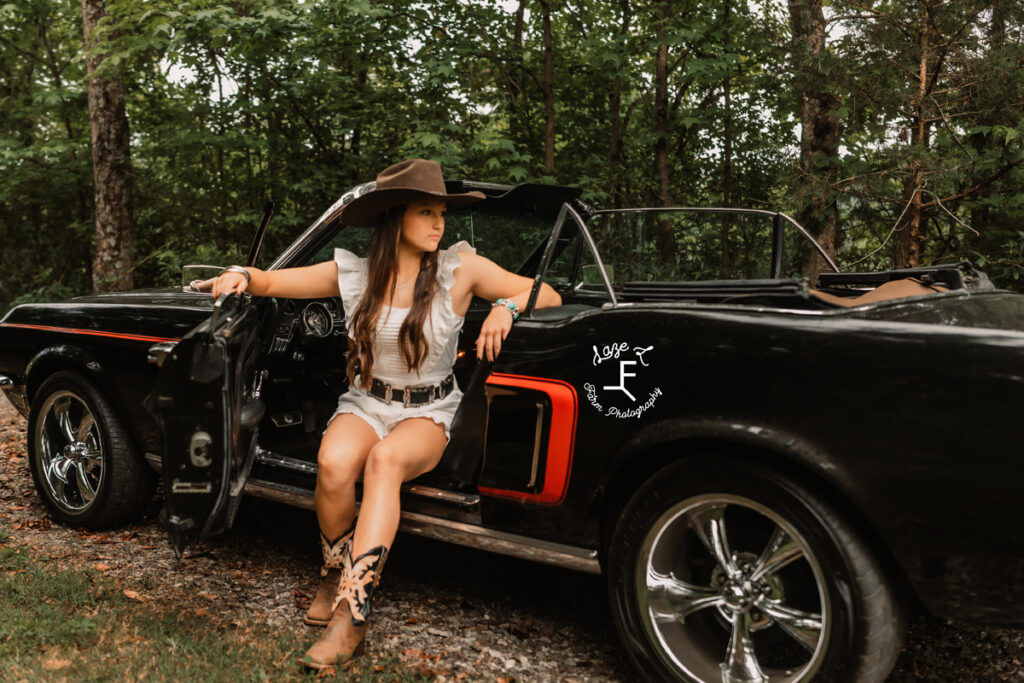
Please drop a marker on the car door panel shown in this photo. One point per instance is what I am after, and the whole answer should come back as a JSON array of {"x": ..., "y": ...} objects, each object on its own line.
[{"x": 207, "y": 422}]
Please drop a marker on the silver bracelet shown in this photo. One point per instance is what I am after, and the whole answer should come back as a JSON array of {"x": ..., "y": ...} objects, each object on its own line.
[{"x": 240, "y": 269}]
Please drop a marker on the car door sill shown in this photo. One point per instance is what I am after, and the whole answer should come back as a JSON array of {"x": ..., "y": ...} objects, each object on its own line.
[
  {"x": 460, "y": 533},
  {"x": 464, "y": 501}
]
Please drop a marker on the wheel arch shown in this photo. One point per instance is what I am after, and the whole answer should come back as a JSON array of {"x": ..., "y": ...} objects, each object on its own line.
[
  {"x": 66, "y": 357},
  {"x": 792, "y": 456},
  {"x": 63, "y": 357}
]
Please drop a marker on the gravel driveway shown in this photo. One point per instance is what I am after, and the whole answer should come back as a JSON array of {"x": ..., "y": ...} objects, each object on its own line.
[{"x": 449, "y": 612}]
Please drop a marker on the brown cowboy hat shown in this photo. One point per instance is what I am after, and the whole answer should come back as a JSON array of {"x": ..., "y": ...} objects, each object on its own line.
[{"x": 402, "y": 183}]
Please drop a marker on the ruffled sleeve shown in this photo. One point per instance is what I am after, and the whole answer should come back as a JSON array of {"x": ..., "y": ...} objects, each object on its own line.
[
  {"x": 352, "y": 278},
  {"x": 447, "y": 262}
]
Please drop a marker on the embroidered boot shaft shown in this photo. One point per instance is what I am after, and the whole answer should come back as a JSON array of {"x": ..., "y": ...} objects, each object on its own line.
[
  {"x": 334, "y": 552},
  {"x": 344, "y": 636},
  {"x": 358, "y": 582}
]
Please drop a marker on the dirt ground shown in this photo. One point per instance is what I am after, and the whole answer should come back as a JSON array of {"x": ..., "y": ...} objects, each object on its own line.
[{"x": 448, "y": 612}]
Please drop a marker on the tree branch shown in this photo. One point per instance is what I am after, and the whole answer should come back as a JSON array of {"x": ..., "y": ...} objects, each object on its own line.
[{"x": 977, "y": 188}]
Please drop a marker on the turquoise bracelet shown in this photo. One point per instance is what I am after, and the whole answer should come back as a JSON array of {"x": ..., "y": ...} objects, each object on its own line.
[{"x": 509, "y": 306}]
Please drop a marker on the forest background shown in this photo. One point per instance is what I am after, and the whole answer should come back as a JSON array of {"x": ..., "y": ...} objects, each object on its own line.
[{"x": 892, "y": 129}]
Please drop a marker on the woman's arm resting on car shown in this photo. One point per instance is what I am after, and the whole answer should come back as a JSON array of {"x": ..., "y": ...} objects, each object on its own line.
[
  {"x": 490, "y": 281},
  {"x": 307, "y": 282}
]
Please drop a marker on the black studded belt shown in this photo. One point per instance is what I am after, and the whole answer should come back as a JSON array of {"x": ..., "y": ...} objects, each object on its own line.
[{"x": 419, "y": 395}]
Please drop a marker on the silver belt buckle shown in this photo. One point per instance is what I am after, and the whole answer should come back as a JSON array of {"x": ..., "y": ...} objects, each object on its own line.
[
  {"x": 387, "y": 394},
  {"x": 405, "y": 397}
]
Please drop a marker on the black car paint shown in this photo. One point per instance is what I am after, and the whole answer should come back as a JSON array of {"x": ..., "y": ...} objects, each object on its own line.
[
  {"x": 104, "y": 337},
  {"x": 838, "y": 372},
  {"x": 788, "y": 385}
]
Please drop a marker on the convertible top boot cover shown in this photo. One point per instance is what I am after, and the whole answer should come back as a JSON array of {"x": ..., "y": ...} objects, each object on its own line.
[
  {"x": 319, "y": 612},
  {"x": 344, "y": 636}
]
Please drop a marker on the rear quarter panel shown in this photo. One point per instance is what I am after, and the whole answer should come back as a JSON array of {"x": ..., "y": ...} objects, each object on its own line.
[{"x": 912, "y": 425}]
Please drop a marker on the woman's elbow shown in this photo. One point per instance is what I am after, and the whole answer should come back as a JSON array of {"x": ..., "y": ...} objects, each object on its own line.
[{"x": 550, "y": 297}]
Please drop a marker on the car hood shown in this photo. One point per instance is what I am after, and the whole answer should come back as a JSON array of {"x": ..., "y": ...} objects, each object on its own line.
[
  {"x": 166, "y": 313},
  {"x": 158, "y": 296}
]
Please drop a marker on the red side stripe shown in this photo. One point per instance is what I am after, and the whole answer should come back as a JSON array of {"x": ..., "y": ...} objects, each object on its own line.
[
  {"x": 561, "y": 437},
  {"x": 94, "y": 333}
]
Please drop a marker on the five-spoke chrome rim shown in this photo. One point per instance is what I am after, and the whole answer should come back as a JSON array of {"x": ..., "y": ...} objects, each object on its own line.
[
  {"x": 70, "y": 451},
  {"x": 748, "y": 605}
]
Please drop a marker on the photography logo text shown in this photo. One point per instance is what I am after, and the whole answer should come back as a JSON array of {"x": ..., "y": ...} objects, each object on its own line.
[{"x": 624, "y": 389}]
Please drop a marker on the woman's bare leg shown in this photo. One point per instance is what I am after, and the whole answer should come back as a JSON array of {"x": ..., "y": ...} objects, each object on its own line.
[
  {"x": 413, "y": 447},
  {"x": 342, "y": 457}
]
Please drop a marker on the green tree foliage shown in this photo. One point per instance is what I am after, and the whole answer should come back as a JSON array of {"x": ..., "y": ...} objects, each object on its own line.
[
  {"x": 933, "y": 120},
  {"x": 234, "y": 102},
  {"x": 45, "y": 170}
]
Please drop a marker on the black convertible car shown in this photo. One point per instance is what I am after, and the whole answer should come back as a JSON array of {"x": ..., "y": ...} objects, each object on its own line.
[{"x": 767, "y": 472}]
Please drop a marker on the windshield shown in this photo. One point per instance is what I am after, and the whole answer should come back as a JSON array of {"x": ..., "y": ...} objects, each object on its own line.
[
  {"x": 505, "y": 234},
  {"x": 690, "y": 245}
]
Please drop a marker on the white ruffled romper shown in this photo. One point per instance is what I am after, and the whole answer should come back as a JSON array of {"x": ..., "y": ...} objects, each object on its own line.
[{"x": 441, "y": 330}]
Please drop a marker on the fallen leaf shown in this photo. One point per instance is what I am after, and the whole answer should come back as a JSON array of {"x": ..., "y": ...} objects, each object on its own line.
[
  {"x": 19, "y": 507},
  {"x": 201, "y": 612},
  {"x": 133, "y": 595},
  {"x": 54, "y": 664},
  {"x": 99, "y": 566}
]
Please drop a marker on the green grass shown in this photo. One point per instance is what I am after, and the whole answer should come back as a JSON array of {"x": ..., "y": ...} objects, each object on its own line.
[{"x": 75, "y": 624}]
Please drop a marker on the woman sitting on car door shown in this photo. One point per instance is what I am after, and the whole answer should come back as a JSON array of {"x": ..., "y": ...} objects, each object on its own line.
[{"x": 405, "y": 305}]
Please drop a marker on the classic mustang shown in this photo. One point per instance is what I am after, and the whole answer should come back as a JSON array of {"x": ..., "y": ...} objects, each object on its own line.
[{"x": 766, "y": 472}]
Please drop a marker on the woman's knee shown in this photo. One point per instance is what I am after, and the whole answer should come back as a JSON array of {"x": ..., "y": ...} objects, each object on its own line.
[
  {"x": 337, "y": 468},
  {"x": 384, "y": 462}
]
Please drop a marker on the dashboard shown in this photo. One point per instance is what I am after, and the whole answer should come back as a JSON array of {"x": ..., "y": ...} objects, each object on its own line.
[{"x": 305, "y": 324}]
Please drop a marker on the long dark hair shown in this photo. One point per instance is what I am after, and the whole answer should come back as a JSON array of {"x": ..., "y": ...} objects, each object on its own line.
[{"x": 382, "y": 264}]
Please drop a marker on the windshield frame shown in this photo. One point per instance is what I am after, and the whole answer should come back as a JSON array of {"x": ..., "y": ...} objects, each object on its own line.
[{"x": 779, "y": 221}]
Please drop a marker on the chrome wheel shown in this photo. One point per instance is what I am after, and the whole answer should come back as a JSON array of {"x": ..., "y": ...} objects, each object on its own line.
[
  {"x": 729, "y": 590},
  {"x": 70, "y": 451}
]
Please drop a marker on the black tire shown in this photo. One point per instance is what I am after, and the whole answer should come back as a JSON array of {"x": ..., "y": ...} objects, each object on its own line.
[
  {"x": 828, "y": 614},
  {"x": 84, "y": 463}
]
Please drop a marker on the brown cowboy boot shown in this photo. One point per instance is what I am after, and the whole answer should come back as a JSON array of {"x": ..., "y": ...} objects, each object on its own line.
[
  {"x": 343, "y": 637},
  {"x": 319, "y": 612}
]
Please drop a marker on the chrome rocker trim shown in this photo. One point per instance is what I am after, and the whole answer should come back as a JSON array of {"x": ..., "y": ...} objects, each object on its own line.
[
  {"x": 295, "y": 465},
  {"x": 469, "y": 535},
  {"x": 459, "y": 533}
]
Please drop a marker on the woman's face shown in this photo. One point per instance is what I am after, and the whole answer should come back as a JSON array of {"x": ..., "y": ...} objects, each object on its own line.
[{"x": 423, "y": 224}]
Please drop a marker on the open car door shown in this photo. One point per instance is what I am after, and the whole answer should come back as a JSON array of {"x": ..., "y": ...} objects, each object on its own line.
[{"x": 208, "y": 419}]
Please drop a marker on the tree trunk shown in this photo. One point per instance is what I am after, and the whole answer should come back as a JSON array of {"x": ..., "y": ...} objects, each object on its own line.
[
  {"x": 819, "y": 132},
  {"x": 666, "y": 238},
  {"x": 513, "y": 73},
  {"x": 113, "y": 259},
  {"x": 661, "y": 164},
  {"x": 726, "y": 150},
  {"x": 910, "y": 231},
  {"x": 549, "y": 89},
  {"x": 615, "y": 107}
]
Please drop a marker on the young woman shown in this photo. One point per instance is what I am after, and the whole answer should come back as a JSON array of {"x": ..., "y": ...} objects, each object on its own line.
[{"x": 405, "y": 305}]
